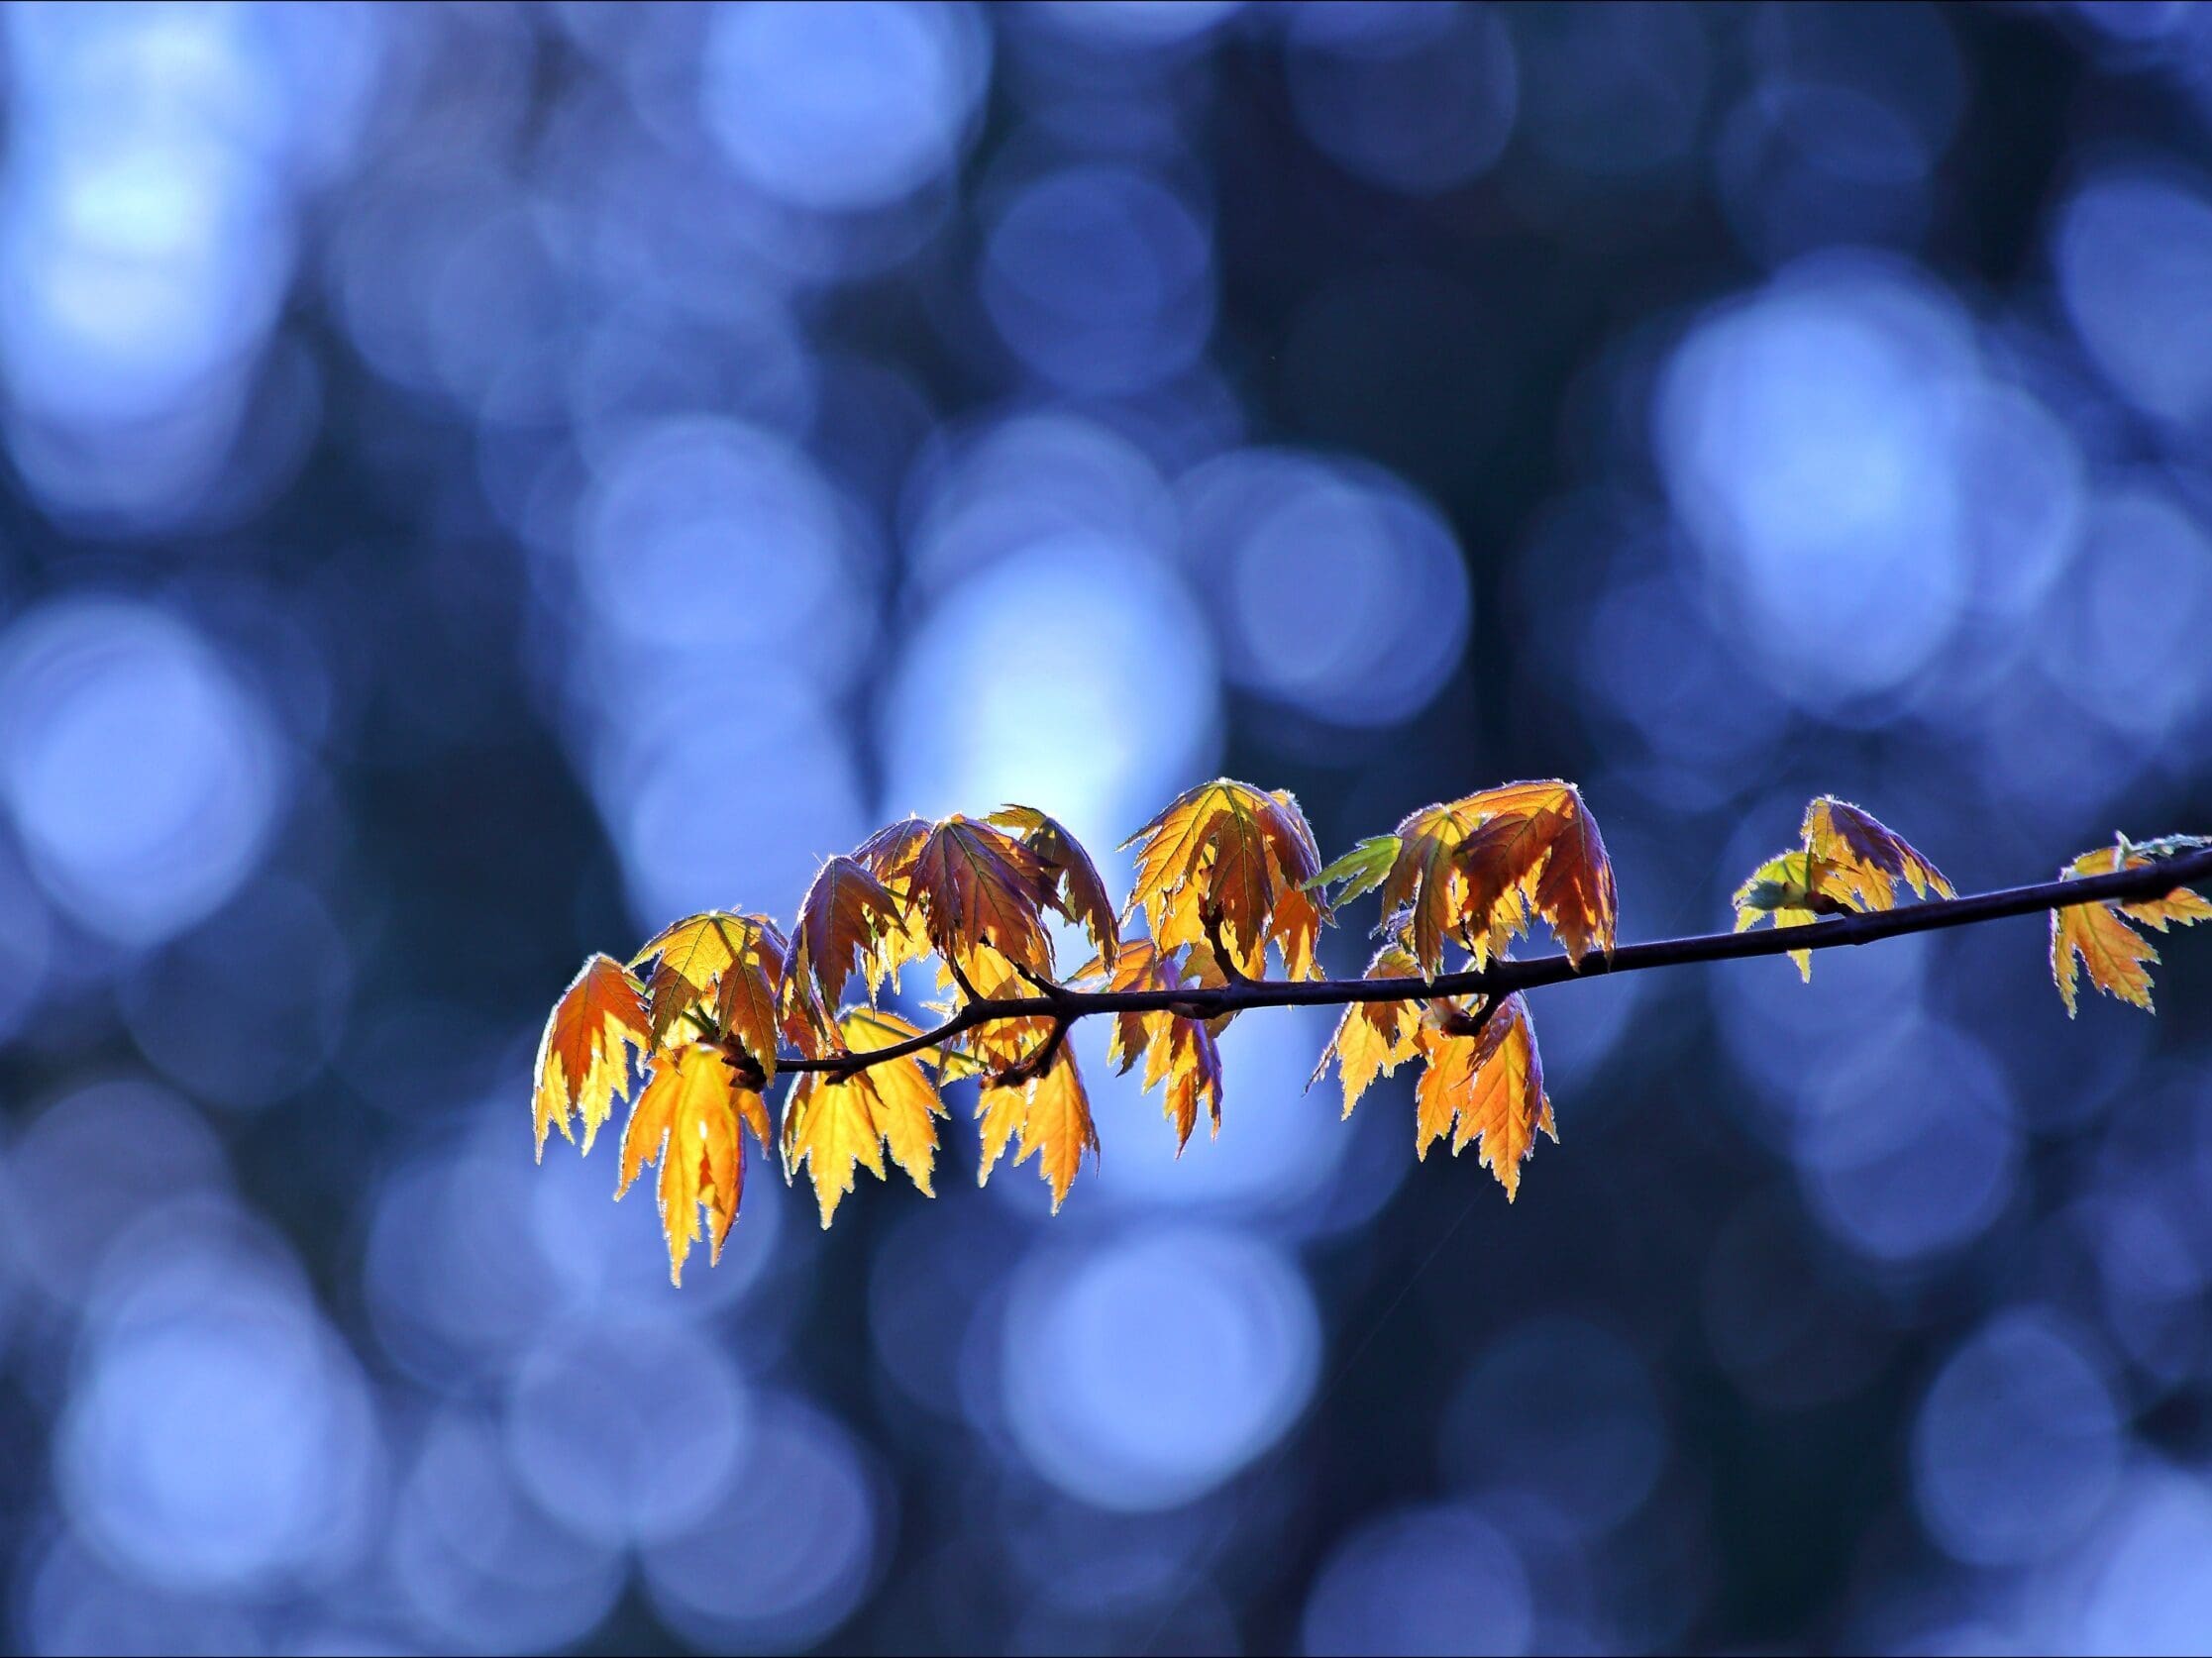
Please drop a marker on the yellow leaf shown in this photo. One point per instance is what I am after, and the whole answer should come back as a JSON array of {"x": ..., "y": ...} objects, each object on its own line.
[
  {"x": 1374, "y": 1038},
  {"x": 582, "y": 1065},
  {"x": 1491, "y": 1086},
  {"x": 1052, "y": 1115},
  {"x": 1790, "y": 890},
  {"x": 1868, "y": 857},
  {"x": 689, "y": 1117},
  {"x": 2096, "y": 938},
  {"x": 833, "y": 1124}
]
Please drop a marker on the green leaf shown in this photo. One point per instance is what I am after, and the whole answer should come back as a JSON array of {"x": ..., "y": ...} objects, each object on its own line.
[{"x": 1362, "y": 870}]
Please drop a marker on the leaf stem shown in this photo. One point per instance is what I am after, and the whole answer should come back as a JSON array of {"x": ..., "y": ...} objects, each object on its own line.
[{"x": 2139, "y": 885}]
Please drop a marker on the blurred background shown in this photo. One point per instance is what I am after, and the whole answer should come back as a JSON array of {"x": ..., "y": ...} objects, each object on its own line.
[{"x": 480, "y": 481}]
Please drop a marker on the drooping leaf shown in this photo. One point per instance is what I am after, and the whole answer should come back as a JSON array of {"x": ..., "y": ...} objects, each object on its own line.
[
  {"x": 2097, "y": 939},
  {"x": 582, "y": 1064},
  {"x": 1478, "y": 869},
  {"x": 978, "y": 888},
  {"x": 1179, "y": 1053},
  {"x": 1374, "y": 1038},
  {"x": 1225, "y": 851},
  {"x": 832, "y": 1123},
  {"x": 689, "y": 1117},
  {"x": 1052, "y": 1115},
  {"x": 844, "y": 921},
  {"x": 1850, "y": 861},
  {"x": 1870, "y": 857},
  {"x": 1082, "y": 896},
  {"x": 1419, "y": 885},
  {"x": 745, "y": 1009},
  {"x": 888, "y": 854},
  {"x": 1492, "y": 1084}
]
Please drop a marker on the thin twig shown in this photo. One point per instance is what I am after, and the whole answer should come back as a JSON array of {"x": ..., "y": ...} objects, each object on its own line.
[{"x": 1501, "y": 979}]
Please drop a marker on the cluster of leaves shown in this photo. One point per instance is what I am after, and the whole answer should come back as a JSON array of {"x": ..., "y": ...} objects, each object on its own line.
[{"x": 1229, "y": 891}]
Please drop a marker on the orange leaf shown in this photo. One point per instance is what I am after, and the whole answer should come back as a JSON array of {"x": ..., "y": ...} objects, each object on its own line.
[
  {"x": 1475, "y": 869},
  {"x": 746, "y": 1008},
  {"x": 689, "y": 1118},
  {"x": 582, "y": 1065},
  {"x": 1492, "y": 1084}
]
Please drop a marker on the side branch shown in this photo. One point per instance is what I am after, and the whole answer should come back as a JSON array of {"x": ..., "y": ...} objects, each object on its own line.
[{"x": 2140, "y": 884}]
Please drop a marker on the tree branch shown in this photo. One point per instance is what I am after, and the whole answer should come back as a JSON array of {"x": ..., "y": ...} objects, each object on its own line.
[{"x": 1501, "y": 979}]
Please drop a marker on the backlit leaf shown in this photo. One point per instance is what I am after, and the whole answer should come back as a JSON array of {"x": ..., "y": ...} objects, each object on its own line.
[
  {"x": 843, "y": 923},
  {"x": 1790, "y": 890},
  {"x": 833, "y": 1124},
  {"x": 978, "y": 888},
  {"x": 2097, "y": 939},
  {"x": 689, "y": 1118},
  {"x": 1374, "y": 1038},
  {"x": 1082, "y": 896},
  {"x": 1476, "y": 870},
  {"x": 1360, "y": 870},
  {"x": 1491, "y": 1086},
  {"x": 1225, "y": 850},
  {"x": 1179, "y": 1053},
  {"x": 1870, "y": 857},
  {"x": 581, "y": 1062},
  {"x": 1051, "y": 1114}
]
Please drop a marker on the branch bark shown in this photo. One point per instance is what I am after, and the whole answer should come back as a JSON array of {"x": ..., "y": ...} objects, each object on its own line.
[{"x": 1501, "y": 979}]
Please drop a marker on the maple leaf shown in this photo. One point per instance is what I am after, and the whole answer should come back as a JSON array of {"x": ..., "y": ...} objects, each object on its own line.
[
  {"x": 977, "y": 887},
  {"x": 1374, "y": 1038},
  {"x": 2096, "y": 938},
  {"x": 1179, "y": 1053},
  {"x": 844, "y": 921},
  {"x": 1227, "y": 856},
  {"x": 831, "y": 1123},
  {"x": 1492, "y": 1084},
  {"x": 1082, "y": 896},
  {"x": 746, "y": 1008},
  {"x": 888, "y": 854},
  {"x": 1868, "y": 857},
  {"x": 1052, "y": 1115},
  {"x": 582, "y": 1065},
  {"x": 1477, "y": 869},
  {"x": 738, "y": 960},
  {"x": 1849, "y": 862},
  {"x": 690, "y": 1117},
  {"x": 1791, "y": 890}
]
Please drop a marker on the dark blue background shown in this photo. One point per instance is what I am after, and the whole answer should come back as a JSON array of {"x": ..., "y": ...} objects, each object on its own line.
[{"x": 480, "y": 483}]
